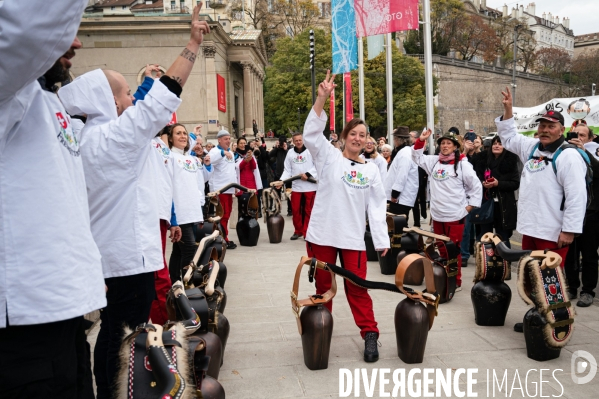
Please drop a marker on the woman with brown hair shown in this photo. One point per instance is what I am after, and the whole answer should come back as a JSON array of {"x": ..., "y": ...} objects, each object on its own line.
[
  {"x": 348, "y": 187},
  {"x": 189, "y": 176},
  {"x": 370, "y": 154}
]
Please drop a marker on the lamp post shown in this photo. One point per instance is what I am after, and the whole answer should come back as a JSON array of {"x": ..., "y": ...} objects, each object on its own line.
[
  {"x": 516, "y": 27},
  {"x": 299, "y": 119},
  {"x": 312, "y": 69}
]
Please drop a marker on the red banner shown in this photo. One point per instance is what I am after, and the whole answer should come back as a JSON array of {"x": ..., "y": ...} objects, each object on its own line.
[
  {"x": 332, "y": 111},
  {"x": 376, "y": 17},
  {"x": 349, "y": 104},
  {"x": 220, "y": 88}
]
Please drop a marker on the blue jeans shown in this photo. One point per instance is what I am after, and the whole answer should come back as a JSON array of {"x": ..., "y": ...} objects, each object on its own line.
[
  {"x": 465, "y": 244},
  {"x": 129, "y": 300}
]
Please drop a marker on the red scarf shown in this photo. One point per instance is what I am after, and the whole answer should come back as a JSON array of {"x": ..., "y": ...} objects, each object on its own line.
[{"x": 449, "y": 159}]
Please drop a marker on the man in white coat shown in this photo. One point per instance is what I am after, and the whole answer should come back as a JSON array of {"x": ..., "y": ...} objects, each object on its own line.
[
  {"x": 401, "y": 183},
  {"x": 44, "y": 214},
  {"x": 116, "y": 152},
  {"x": 298, "y": 161},
  {"x": 552, "y": 205}
]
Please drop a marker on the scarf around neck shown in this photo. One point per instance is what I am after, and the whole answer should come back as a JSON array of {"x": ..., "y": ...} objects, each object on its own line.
[{"x": 447, "y": 158}]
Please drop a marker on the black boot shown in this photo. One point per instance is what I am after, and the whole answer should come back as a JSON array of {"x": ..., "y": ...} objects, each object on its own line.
[
  {"x": 519, "y": 327},
  {"x": 371, "y": 351}
]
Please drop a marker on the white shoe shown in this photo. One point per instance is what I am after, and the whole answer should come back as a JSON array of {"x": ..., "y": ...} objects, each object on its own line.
[{"x": 458, "y": 289}]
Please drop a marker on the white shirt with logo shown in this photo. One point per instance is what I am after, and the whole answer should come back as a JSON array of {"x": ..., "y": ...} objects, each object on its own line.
[
  {"x": 347, "y": 190},
  {"x": 297, "y": 164},
  {"x": 50, "y": 267},
  {"x": 380, "y": 162},
  {"x": 224, "y": 171},
  {"x": 189, "y": 177},
  {"x": 542, "y": 190},
  {"x": 450, "y": 193},
  {"x": 403, "y": 177},
  {"x": 163, "y": 163}
]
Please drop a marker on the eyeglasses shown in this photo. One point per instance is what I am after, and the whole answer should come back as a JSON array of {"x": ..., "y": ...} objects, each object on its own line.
[{"x": 369, "y": 143}]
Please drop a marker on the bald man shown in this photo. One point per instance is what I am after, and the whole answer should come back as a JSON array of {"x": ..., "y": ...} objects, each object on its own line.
[{"x": 115, "y": 149}]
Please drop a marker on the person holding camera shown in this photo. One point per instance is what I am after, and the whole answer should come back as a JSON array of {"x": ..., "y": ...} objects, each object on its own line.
[
  {"x": 277, "y": 158},
  {"x": 247, "y": 167},
  {"x": 588, "y": 242},
  {"x": 454, "y": 187}
]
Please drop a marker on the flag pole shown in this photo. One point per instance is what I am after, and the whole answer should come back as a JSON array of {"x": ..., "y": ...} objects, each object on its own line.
[
  {"x": 428, "y": 74},
  {"x": 389, "y": 90},
  {"x": 361, "y": 77}
]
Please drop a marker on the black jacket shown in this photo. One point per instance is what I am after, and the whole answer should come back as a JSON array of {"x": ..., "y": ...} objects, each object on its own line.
[
  {"x": 277, "y": 157},
  {"x": 595, "y": 166},
  {"x": 263, "y": 159},
  {"x": 505, "y": 170}
]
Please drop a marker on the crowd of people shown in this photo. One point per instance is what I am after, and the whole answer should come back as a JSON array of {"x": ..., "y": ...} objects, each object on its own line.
[{"x": 108, "y": 178}]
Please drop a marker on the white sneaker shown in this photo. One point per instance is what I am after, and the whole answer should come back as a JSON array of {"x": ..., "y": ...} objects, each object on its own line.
[{"x": 458, "y": 289}]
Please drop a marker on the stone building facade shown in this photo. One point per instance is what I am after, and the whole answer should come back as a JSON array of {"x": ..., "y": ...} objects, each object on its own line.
[
  {"x": 588, "y": 42},
  {"x": 127, "y": 43}
]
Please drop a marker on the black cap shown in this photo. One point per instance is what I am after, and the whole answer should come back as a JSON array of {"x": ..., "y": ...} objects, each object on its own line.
[
  {"x": 455, "y": 130},
  {"x": 552, "y": 116}
]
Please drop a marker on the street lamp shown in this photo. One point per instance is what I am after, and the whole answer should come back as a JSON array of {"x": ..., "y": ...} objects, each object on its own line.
[
  {"x": 299, "y": 119},
  {"x": 312, "y": 69},
  {"x": 516, "y": 27}
]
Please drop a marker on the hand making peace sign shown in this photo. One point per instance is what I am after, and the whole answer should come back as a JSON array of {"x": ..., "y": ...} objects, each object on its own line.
[
  {"x": 198, "y": 28},
  {"x": 327, "y": 86},
  {"x": 507, "y": 102}
]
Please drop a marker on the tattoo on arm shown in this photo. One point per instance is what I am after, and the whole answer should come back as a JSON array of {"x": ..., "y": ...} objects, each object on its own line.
[
  {"x": 188, "y": 55},
  {"x": 177, "y": 79}
]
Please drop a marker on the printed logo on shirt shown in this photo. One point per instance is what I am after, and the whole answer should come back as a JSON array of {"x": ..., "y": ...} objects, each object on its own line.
[
  {"x": 164, "y": 150},
  {"x": 188, "y": 165},
  {"x": 299, "y": 159},
  {"x": 535, "y": 165},
  {"x": 66, "y": 135},
  {"x": 440, "y": 174},
  {"x": 355, "y": 180}
]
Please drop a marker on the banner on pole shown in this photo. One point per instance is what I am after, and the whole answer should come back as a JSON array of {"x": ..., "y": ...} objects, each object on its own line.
[
  {"x": 332, "y": 111},
  {"x": 173, "y": 119},
  {"x": 375, "y": 17},
  {"x": 376, "y": 45},
  {"x": 349, "y": 105},
  {"x": 220, "y": 89},
  {"x": 575, "y": 108},
  {"x": 345, "y": 43}
]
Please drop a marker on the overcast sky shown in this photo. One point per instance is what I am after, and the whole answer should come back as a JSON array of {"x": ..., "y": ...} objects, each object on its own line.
[{"x": 583, "y": 14}]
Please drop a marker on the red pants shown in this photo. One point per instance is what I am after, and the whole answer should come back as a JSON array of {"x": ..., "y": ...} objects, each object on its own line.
[
  {"x": 162, "y": 283},
  {"x": 359, "y": 301},
  {"x": 533, "y": 243},
  {"x": 226, "y": 201},
  {"x": 444, "y": 229},
  {"x": 301, "y": 217}
]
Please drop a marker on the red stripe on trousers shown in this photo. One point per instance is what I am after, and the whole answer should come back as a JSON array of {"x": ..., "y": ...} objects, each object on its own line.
[
  {"x": 300, "y": 221},
  {"x": 358, "y": 298},
  {"x": 534, "y": 244},
  {"x": 162, "y": 283},
  {"x": 226, "y": 201},
  {"x": 442, "y": 228}
]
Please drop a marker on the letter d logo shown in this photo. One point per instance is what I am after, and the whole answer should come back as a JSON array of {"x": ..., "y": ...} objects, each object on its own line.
[{"x": 587, "y": 362}]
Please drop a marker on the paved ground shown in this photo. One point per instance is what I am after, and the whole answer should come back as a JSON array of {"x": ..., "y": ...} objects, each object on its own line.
[{"x": 263, "y": 358}]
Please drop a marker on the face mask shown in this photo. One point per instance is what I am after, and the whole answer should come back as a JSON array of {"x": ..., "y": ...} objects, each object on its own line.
[{"x": 578, "y": 114}]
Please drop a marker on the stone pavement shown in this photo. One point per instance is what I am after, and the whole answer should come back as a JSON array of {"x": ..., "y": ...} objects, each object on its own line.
[{"x": 264, "y": 359}]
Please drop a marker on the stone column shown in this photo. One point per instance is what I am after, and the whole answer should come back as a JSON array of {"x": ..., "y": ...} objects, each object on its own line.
[
  {"x": 261, "y": 102},
  {"x": 211, "y": 89},
  {"x": 247, "y": 98}
]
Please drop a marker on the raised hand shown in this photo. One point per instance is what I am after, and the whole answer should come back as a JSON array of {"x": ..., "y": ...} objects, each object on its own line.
[
  {"x": 425, "y": 134},
  {"x": 507, "y": 102},
  {"x": 151, "y": 68},
  {"x": 327, "y": 86},
  {"x": 198, "y": 28}
]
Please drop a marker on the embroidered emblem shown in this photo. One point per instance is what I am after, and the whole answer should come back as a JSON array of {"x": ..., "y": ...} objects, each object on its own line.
[
  {"x": 440, "y": 174},
  {"x": 490, "y": 251},
  {"x": 66, "y": 135},
  {"x": 535, "y": 165},
  {"x": 299, "y": 159},
  {"x": 188, "y": 165},
  {"x": 356, "y": 180}
]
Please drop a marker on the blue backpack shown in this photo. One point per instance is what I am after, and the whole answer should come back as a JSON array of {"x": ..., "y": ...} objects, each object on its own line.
[{"x": 588, "y": 177}]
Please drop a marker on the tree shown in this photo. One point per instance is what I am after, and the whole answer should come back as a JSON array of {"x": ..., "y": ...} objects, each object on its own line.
[
  {"x": 446, "y": 18},
  {"x": 287, "y": 85},
  {"x": 553, "y": 62},
  {"x": 504, "y": 44},
  {"x": 584, "y": 70},
  {"x": 297, "y": 15},
  {"x": 474, "y": 37},
  {"x": 262, "y": 16}
]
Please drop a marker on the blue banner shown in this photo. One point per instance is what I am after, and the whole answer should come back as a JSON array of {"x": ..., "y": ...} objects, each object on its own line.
[{"x": 345, "y": 42}]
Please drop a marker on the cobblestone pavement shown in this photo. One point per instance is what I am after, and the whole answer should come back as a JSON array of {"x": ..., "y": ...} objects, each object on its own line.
[{"x": 264, "y": 357}]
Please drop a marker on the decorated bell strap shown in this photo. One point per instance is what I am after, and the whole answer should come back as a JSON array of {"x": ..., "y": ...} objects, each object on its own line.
[
  {"x": 271, "y": 203},
  {"x": 541, "y": 283},
  {"x": 395, "y": 228},
  {"x": 204, "y": 243},
  {"x": 197, "y": 352},
  {"x": 196, "y": 300},
  {"x": 430, "y": 297},
  {"x": 312, "y": 300},
  {"x": 450, "y": 265},
  {"x": 489, "y": 265},
  {"x": 248, "y": 203},
  {"x": 169, "y": 380},
  {"x": 203, "y": 276},
  {"x": 227, "y": 187},
  {"x": 189, "y": 318}
]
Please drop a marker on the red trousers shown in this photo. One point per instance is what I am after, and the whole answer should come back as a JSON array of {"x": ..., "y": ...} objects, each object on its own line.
[
  {"x": 533, "y": 243},
  {"x": 162, "y": 283},
  {"x": 301, "y": 217},
  {"x": 443, "y": 228},
  {"x": 358, "y": 298},
  {"x": 226, "y": 201}
]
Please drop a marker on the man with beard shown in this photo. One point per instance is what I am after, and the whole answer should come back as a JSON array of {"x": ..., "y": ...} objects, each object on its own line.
[
  {"x": 552, "y": 204},
  {"x": 43, "y": 195},
  {"x": 298, "y": 161}
]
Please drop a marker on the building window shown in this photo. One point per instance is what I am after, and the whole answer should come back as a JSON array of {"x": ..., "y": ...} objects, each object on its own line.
[
  {"x": 112, "y": 8},
  {"x": 123, "y": 7},
  {"x": 173, "y": 5},
  {"x": 207, "y": 3}
]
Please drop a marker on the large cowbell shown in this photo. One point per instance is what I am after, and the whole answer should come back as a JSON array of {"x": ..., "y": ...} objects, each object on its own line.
[
  {"x": 248, "y": 229},
  {"x": 395, "y": 226}
]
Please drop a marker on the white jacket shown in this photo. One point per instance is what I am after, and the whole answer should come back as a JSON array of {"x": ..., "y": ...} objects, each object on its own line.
[
  {"x": 50, "y": 267},
  {"x": 380, "y": 162},
  {"x": 296, "y": 164},
  {"x": 163, "y": 166},
  {"x": 189, "y": 177},
  {"x": 224, "y": 170},
  {"x": 542, "y": 190},
  {"x": 449, "y": 194},
  {"x": 118, "y": 167},
  {"x": 403, "y": 177},
  {"x": 347, "y": 190}
]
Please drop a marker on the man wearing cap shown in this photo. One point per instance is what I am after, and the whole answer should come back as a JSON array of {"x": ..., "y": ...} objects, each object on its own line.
[
  {"x": 401, "y": 183},
  {"x": 552, "y": 204},
  {"x": 223, "y": 161}
]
